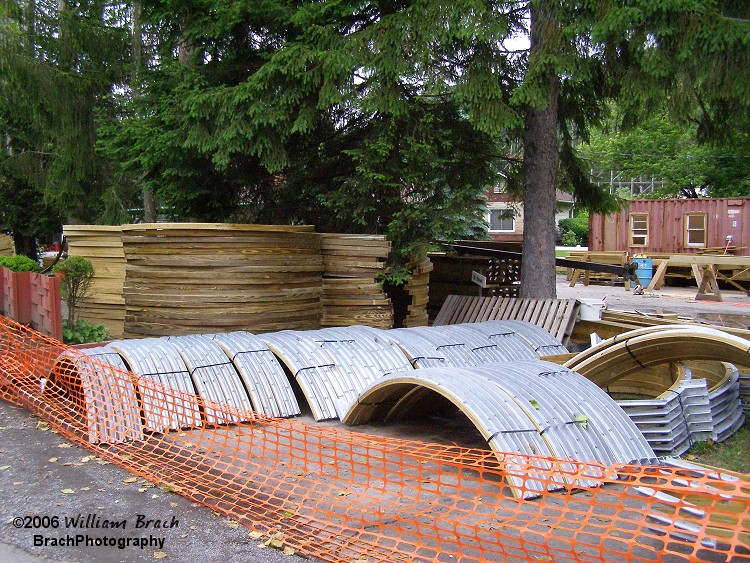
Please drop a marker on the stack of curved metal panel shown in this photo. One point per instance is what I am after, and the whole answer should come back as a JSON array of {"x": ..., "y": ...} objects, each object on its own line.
[
  {"x": 326, "y": 387},
  {"x": 426, "y": 347},
  {"x": 334, "y": 365},
  {"x": 745, "y": 389},
  {"x": 528, "y": 407},
  {"x": 264, "y": 378},
  {"x": 726, "y": 406},
  {"x": 473, "y": 344},
  {"x": 156, "y": 359},
  {"x": 109, "y": 397},
  {"x": 215, "y": 378},
  {"x": 677, "y": 418},
  {"x": 499, "y": 344},
  {"x": 536, "y": 338},
  {"x": 628, "y": 353}
]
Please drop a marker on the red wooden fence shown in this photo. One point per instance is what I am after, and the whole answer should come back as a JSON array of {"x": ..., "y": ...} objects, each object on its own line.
[{"x": 32, "y": 299}]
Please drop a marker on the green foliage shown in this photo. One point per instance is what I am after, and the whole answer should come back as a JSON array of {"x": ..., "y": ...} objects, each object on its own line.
[
  {"x": 577, "y": 229},
  {"x": 569, "y": 239},
  {"x": 82, "y": 332},
  {"x": 77, "y": 273},
  {"x": 19, "y": 264},
  {"x": 668, "y": 151}
]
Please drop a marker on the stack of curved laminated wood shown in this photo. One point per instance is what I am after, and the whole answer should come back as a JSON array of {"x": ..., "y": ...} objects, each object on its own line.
[
  {"x": 188, "y": 278},
  {"x": 102, "y": 245},
  {"x": 6, "y": 245},
  {"x": 351, "y": 292},
  {"x": 418, "y": 289}
]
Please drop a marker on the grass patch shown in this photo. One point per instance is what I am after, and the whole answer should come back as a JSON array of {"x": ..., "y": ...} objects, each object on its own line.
[{"x": 732, "y": 454}]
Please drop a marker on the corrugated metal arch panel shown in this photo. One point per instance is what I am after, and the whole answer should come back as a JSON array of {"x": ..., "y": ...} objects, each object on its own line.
[
  {"x": 264, "y": 378},
  {"x": 454, "y": 345},
  {"x": 493, "y": 411},
  {"x": 608, "y": 436},
  {"x": 626, "y": 353},
  {"x": 501, "y": 345},
  {"x": 155, "y": 359},
  {"x": 215, "y": 378},
  {"x": 312, "y": 367},
  {"x": 726, "y": 406},
  {"x": 111, "y": 404},
  {"x": 419, "y": 349},
  {"x": 374, "y": 346},
  {"x": 538, "y": 339}
]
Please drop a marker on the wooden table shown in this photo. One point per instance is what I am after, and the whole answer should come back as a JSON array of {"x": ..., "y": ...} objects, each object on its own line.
[{"x": 707, "y": 271}]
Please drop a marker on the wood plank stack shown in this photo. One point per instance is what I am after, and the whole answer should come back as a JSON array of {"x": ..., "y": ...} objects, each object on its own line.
[
  {"x": 6, "y": 245},
  {"x": 351, "y": 292},
  {"x": 418, "y": 290},
  {"x": 188, "y": 278},
  {"x": 102, "y": 245},
  {"x": 556, "y": 316}
]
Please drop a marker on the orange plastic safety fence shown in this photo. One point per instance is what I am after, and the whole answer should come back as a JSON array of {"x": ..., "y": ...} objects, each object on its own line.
[{"x": 349, "y": 496}]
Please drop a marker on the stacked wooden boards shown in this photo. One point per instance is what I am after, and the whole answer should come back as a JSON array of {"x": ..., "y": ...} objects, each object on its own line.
[
  {"x": 556, "y": 316},
  {"x": 188, "y": 278},
  {"x": 101, "y": 245},
  {"x": 410, "y": 299},
  {"x": 6, "y": 245},
  {"x": 351, "y": 292}
]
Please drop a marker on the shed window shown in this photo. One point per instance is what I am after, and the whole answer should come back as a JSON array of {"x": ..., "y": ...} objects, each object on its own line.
[
  {"x": 503, "y": 220},
  {"x": 639, "y": 229},
  {"x": 695, "y": 229}
]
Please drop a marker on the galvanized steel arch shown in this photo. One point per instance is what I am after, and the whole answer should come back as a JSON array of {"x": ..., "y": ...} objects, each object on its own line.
[
  {"x": 215, "y": 378},
  {"x": 626, "y": 353},
  {"x": 531, "y": 407},
  {"x": 108, "y": 395},
  {"x": 314, "y": 370},
  {"x": 264, "y": 378},
  {"x": 334, "y": 365},
  {"x": 424, "y": 352},
  {"x": 156, "y": 360},
  {"x": 499, "y": 344},
  {"x": 538, "y": 339}
]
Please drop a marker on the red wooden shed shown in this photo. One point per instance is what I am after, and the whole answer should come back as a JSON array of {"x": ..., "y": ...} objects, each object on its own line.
[{"x": 674, "y": 226}]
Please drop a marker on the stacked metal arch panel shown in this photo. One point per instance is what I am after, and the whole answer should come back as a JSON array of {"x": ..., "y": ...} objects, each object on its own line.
[
  {"x": 109, "y": 399},
  {"x": 334, "y": 365},
  {"x": 675, "y": 420},
  {"x": 726, "y": 406},
  {"x": 745, "y": 389},
  {"x": 156, "y": 359},
  {"x": 633, "y": 351},
  {"x": 529, "y": 407},
  {"x": 214, "y": 376},
  {"x": 536, "y": 338},
  {"x": 262, "y": 374}
]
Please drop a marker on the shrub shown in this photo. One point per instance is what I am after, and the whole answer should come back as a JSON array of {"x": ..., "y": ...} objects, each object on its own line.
[
  {"x": 579, "y": 225},
  {"x": 569, "y": 238},
  {"x": 82, "y": 331},
  {"x": 77, "y": 274},
  {"x": 19, "y": 264}
]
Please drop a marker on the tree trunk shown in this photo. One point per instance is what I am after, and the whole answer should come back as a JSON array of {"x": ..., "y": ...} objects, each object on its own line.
[
  {"x": 540, "y": 163},
  {"x": 25, "y": 245},
  {"x": 149, "y": 206}
]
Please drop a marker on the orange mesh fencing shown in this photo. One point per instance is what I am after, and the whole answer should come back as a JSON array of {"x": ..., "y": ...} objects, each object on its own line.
[{"x": 347, "y": 496}]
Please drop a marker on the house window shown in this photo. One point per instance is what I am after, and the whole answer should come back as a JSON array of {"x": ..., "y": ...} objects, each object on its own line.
[
  {"x": 639, "y": 229},
  {"x": 695, "y": 229},
  {"x": 503, "y": 220}
]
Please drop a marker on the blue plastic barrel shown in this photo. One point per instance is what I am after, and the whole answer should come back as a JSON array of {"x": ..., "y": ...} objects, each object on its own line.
[{"x": 644, "y": 270}]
